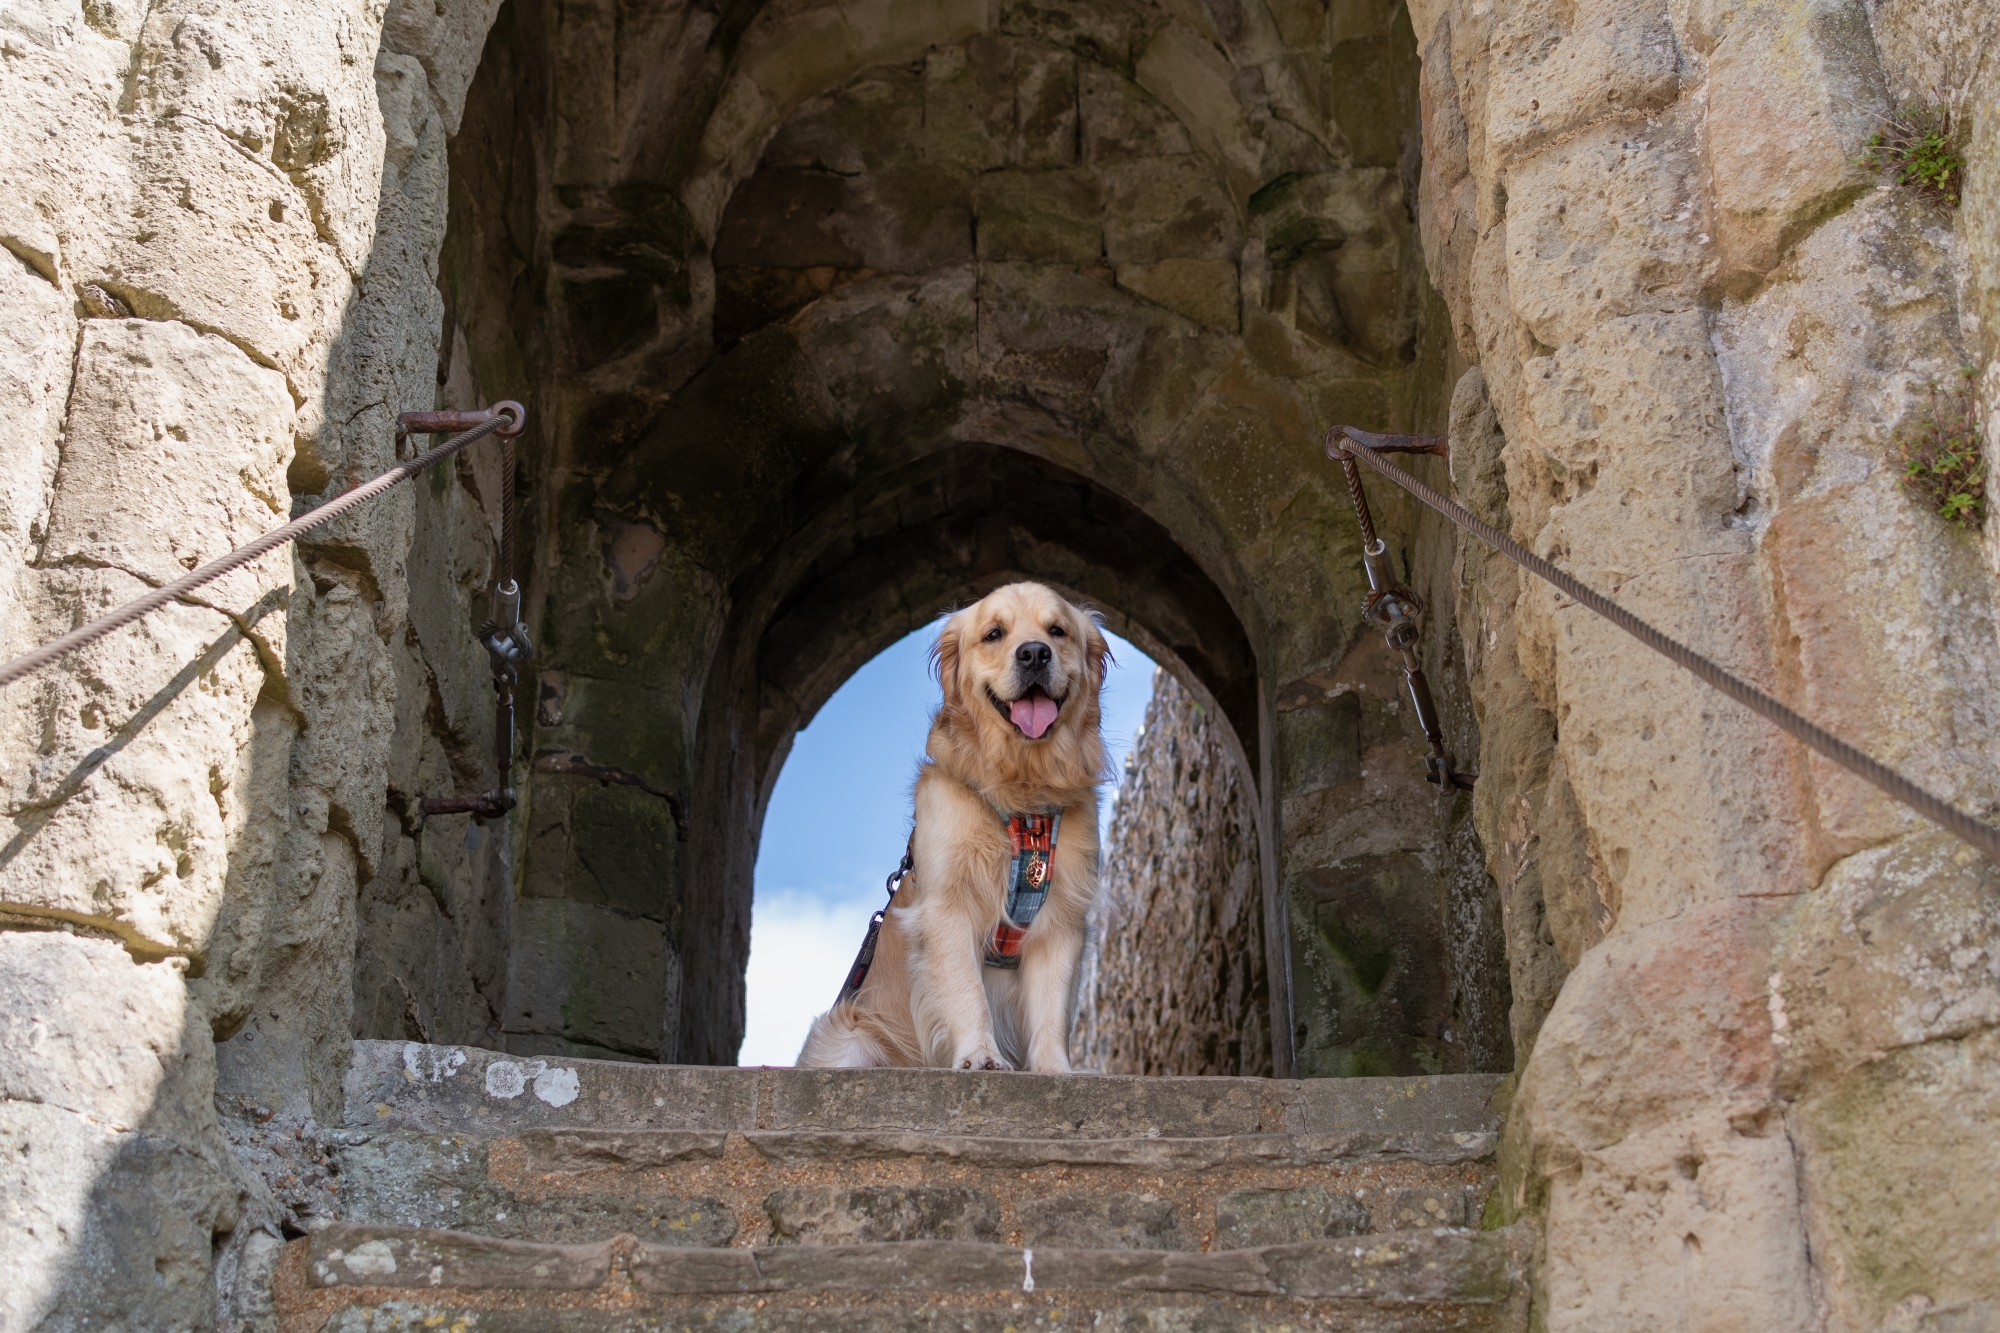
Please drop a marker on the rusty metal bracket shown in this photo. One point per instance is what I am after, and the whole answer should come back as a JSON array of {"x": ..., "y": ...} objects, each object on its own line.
[
  {"x": 503, "y": 635},
  {"x": 487, "y": 805},
  {"x": 1391, "y": 604},
  {"x": 450, "y": 423}
]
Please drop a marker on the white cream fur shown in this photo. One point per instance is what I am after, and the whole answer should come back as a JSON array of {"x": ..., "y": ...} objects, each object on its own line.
[{"x": 929, "y": 1000}]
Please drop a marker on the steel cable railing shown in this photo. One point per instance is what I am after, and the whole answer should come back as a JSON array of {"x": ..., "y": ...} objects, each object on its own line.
[
  {"x": 1980, "y": 834},
  {"x": 506, "y": 418}
]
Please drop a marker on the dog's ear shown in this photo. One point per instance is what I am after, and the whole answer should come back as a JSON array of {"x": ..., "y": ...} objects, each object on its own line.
[
  {"x": 1096, "y": 649},
  {"x": 944, "y": 660}
]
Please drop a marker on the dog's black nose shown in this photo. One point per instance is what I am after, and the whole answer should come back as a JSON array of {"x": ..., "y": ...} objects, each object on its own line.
[{"x": 1033, "y": 656}]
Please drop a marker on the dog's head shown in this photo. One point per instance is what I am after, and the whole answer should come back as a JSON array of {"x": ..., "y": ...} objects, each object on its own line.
[{"x": 1021, "y": 670}]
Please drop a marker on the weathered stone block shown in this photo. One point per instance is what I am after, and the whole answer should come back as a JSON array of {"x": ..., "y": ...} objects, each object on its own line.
[
  {"x": 1194, "y": 80},
  {"x": 902, "y": 218},
  {"x": 1319, "y": 745},
  {"x": 1556, "y": 68},
  {"x": 1407, "y": 1208},
  {"x": 1337, "y": 252},
  {"x": 922, "y": 1265},
  {"x": 345, "y": 1255},
  {"x": 969, "y": 103},
  {"x": 1012, "y": 1104},
  {"x": 1794, "y": 90},
  {"x": 567, "y": 1150},
  {"x": 1050, "y": 217},
  {"x": 591, "y": 974},
  {"x": 1045, "y": 108},
  {"x": 1885, "y": 1010},
  {"x": 1104, "y": 32},
  {"x": 411, "y": 1180},
  {"x": 441, "y": 1182},
  {"x": 862, "y": 126},
  {"x": 160, "y": 724},
  {"x": 1121, "y": 120},
  {"x": 1118, "y": 1221},
  {"x": 829, "y": 1215},
  {"x": 101, "y": 1223},
  {"x": 86, "y": 1029},
  {"x": 1405, "y": 1266},
  {"x": 395, "y": 1085},
  {"x": 37, "y": 354},
  {"x": 1603, "y": 225},
  {"x": 1246, "y": 1218},
  {"x": 575, "y": 1219},
  {"x": 1168, "y": 208}
]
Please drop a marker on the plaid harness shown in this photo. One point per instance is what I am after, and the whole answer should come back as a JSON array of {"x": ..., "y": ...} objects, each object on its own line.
[{"x": 1032, "y": 834}]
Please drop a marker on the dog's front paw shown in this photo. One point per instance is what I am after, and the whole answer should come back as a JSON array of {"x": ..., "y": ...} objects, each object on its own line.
[{"x": 981, "y": 1057}]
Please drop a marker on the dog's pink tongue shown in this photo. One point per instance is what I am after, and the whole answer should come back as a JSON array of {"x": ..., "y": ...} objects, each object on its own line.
[{"x": 1033, "y": 714}]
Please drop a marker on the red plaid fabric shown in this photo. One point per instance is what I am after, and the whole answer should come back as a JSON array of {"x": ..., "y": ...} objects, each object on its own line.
[{"x": 1032, "y": 835}]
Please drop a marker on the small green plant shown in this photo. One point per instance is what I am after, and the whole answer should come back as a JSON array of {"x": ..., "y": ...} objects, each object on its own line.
[
  {"x": 1919, "y": 144},
  {"x": 1944, "y": 462}
]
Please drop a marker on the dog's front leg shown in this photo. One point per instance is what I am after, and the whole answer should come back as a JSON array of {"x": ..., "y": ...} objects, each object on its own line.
[
  {"x": 950, "y": 1001},
  {"x": 1048, "y": 984},
  {"x": 958, "y": 869}
]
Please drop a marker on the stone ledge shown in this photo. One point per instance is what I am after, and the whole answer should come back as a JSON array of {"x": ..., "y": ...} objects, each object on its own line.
[
  {"x": 572, "y": 1150},
  {"x": 1156, "y": 1314},
  {"x": 1423, "y": 1267},
  {"x": 1161, "y": 1154},
  {"x": 457, "y": 1089},
  {"x": 347, "y": 1255}
]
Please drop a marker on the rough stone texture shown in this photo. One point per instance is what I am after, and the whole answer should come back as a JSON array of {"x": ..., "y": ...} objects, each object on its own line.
[
  {"x": 1173, "y": 979},
  {"x": 1884, "y": 1002},
  {"x": 1245, "y": 1218},
  {"x": 1696, "y": 323},
  {"x": 117, "y": 1177},
  {"x": 407, "y": 1087},
  {"x": 832, "y": 1216},
  {"x": 1139, "y": 1189},
  {"x": 1120, "y": 1221},
  {"x": 833, "y": 316},
  {"x": 840, "y": 316},
  {"x": 472, "y": 1141},
  {"x": 221, "y": 230},
  {"x": 442, "y": 1181},
  {"x": 1431, "y": 1273},
  {"x": 1153, "y": 1315}
]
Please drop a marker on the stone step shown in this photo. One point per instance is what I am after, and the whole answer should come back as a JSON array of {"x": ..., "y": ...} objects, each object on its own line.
[
  {"x": 459, "y": 1139},
  {"x": 461, "y": 1089},
  {"x": 347, "y": 1278}
]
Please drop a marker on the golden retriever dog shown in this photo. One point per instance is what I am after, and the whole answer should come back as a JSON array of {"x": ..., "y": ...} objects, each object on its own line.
[{"x": 1012, "y": 766}]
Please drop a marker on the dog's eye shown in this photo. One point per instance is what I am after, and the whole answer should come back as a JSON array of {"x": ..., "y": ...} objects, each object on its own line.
[
  {"x": 1057, "y": 632},
  {"x": 997, "y": 633}
]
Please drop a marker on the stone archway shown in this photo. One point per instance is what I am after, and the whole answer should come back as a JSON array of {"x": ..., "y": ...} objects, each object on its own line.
[{"x": 851, "y": 315}]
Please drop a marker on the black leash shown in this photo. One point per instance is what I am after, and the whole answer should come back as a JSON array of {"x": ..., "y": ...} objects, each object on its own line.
[{"x": 866, "y": 958}]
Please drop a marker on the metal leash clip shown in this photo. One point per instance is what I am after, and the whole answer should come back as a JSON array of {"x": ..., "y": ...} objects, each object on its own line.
[
  {"x": 504, "y": 636},
  {"x": 1391, "y": 604}
]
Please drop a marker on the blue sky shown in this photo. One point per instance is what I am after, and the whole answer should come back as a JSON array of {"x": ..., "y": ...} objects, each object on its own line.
[{"x": 837, "y": 824}]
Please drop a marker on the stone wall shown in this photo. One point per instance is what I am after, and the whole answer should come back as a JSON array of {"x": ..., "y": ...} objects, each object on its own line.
[
  {"x": 838, "y": 316},
  {"x": 1697, "y": 318},
  {"x": 831, "y": 315},
  {"x": 1173, "y": 982},
  {"x": 218, "y": 285}
]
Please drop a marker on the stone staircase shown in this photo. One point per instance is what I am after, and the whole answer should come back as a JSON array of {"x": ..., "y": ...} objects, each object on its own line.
[{"x": 503, "y": 1193}]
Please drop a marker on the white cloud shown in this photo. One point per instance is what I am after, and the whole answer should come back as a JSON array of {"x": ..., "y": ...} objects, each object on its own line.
[{"x": 801, "y": 946}]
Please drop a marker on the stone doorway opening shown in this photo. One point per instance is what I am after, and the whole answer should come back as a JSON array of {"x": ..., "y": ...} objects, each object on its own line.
[
  {"x": 837, "y": 818},
  {"x": 830, "y": 322}
]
